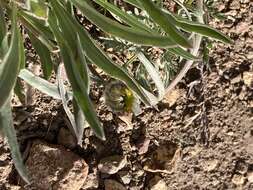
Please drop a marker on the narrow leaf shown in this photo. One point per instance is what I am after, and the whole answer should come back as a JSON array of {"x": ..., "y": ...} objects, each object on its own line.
[
  {"x": 41, "y": 84},
  {"x": 165, "y": 22},
  {"x": 183, "y": 53},
  {"x": 3, "y": 29},
  {"x": 6, "y": 125},
  {"x": 202, "y": 29},
  {"x": 65, "y": 99},
  {"x": 154, "y": 74},
  {"x": 97, "y": 56},
  {"x": 78, "y": 86},
  {"x": 127, "y": 33},
  {"x": 44, "y": 54},
  {"x": 125, "y": 17},
  {"x": 9, "y": 67},
  {"x": 39, "y": 28}
]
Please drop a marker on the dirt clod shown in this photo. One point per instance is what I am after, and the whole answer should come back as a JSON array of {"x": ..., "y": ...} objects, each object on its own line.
[{"x": 53, "y": 167}]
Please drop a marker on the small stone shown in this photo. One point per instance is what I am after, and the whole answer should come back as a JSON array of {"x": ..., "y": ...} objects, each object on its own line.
[
  {"x": 248, "y": 79},
  {"x": 125, "y": 177},
  {"x": 172, "y": 97},
  {"x": 238, "y": 179},
  {"x": 66, "y": 139},
  {"x": 210, "y": 165},
  {"x": 113, "y": 185},
  {"x": 157, "y": 183},
  {"x": 54, "y": 167},
  {"x": 111, "y": 165},
  {"x": 236, "y": 79},
  {"x": 250, "y": 177},
  {"x": 143, "y": 146},
  {"x": 91, "y": 182}
]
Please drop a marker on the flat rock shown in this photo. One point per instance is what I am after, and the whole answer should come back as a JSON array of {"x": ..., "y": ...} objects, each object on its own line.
[
  {"x": 112, "y": 164},
  {"x": 53, "y": 167}
]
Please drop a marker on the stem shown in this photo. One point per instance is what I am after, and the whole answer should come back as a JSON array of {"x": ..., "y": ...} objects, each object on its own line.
[{"x": 194, "y": 51}]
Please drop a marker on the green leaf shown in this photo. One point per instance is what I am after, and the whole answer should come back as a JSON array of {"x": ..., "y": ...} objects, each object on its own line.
[
  {"x": 38, "y": 27},
  {"x": 3, "y": 29},
  {"x": 65, "y": 99},
  {"x": 165, "y": 22},
  {"x": 183, "y": 53},
  {"x": 38, "y": 7},
  {"x": 96, "y": 55},
  {"x": 44, "y": 54},
  {"x": 41, "y": 84},
  {"x": 127, "y": 33},
  {"x": 200, "y": 28},
  {"x": 6, "y": 125},
  {"x": 154, "y": 74},
  {"x": 70, "y": 63},
  {"x": 9, "y": 67},
  {"x": 79, "y": 120},
  {"x": 19, "y": 91},
  {"x": 125, "y": 17}
]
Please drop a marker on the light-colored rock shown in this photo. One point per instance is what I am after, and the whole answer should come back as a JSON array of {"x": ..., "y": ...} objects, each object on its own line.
[
  {"x": 143, "y": 146},
  {"x": 113, "y": 185},
  {"x": 210, "y": 165},
  {"x": 157, "y": 183},
  {"x": 238, "y": 179},
  {"x": 248, "y": 79},
  {"x": 172, "y": 97},
  {"x": 125, "y": 177},
  {"x": 91, "y": 182},
  {"x": 53, "y": 167},
  {"x": 66, "y": 139},
  {"x": 250, "y": 177},
  {"x": 112, "y": 164}
]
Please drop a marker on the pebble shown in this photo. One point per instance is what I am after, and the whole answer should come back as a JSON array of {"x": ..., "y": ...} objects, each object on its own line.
[{"x": 111, "y": 165}]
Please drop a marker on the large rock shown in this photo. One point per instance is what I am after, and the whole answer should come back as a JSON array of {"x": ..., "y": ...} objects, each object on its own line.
[{"x": 53, "y": 167}]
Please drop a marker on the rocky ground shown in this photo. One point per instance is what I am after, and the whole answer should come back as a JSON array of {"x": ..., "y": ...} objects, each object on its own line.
[{"x": 201, "y": 136}]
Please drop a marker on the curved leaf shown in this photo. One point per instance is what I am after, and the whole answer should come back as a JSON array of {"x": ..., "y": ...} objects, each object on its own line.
[
  {"x": 127, "y": 33},
  {"x": 165, "y": 22},
  {"x": 41, "y": 84},
  {"x": 96, "y": 55}
]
